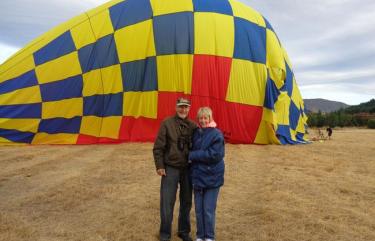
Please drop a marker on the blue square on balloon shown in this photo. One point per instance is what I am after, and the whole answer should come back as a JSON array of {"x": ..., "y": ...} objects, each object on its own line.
[
  {"x": 272, "y": 94},
  {"x": 63, "y": 89},
  {"x": 283, "y": 134},
  {"x": 93, "y": 105},
  {"x": 140, "y": 75},
  {"x": 216, "y": 6},
  {"x": 103, "y": 105},
  {"x": 113, "y": 104},
  {"x": 23, "y": 111},
  {"x": 130, "y": 12},
  {"x": 102, "y": 53},
  {"x": 60, "y": 125},
  {"x": 300, "y": 136},
  {"x": 250, "y": 41},
  {"x": 174, "y": 33},
  {"x": 288, "y": 84},
  {"x": 58, "y": 47},
  {"x": 294, "y": 115},
  {"x": 17, "y": 136},
  {"x": 27, "y": 79}
]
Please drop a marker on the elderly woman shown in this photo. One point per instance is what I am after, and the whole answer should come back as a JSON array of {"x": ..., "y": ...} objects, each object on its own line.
[{"x": 207, "y": 171}]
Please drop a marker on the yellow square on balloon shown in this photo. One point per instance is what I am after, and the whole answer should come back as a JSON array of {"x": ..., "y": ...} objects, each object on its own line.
[
  {"x": 282, "y": 108},
  {"x": 107, "y": 80},
  {"x": 92, "y": 83},
  {"x": 82, "y": 34},
  {"x": 10, "y": 69},
  {"x": 247, "y": 82},
  {"x": 175, "y": 72},
  {"x": 266, "y": 134},
  {"x": 59, "y": 69},
  {"x": 25, "y": 125},
  {"x": 138, "y": 104},
  {"x": 214, "y": 34},
  {"x": 101, "y": 24},
  {"x": 112, "y": 79},
  {"x": 60, "y": 138},
  {"x": 171, "y": 6},
  {"x": 67, "y": 108},
  {"x": 135, "y": 42},
  {"x": 241, "y": 10},
  {"x": 275, "y": 59},
  {"x": 28, "y": 95},
  {"x": 91, "y": 125},
  {"x": 301, "y": 125},
  {"x": 111, "y": 127}
]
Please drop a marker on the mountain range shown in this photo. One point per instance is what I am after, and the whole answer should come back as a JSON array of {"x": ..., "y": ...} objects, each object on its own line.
[{"x": 323, "y": 105}]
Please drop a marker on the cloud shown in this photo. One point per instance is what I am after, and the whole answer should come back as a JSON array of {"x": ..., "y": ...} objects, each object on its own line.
[
  {"x": 6, "y": 51},
  {"x": 355, "y": 77},
  {"x": 331, "y": 44},
  {"x": 23, "y": 20}
]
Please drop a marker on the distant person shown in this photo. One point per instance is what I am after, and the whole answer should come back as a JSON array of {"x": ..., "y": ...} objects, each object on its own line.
[
  {"x": 329, "y": 132},
  {"x": 320, "y": 134},
  {"x": 171, "y": 149},
  {"x": 207, "y": 172}
]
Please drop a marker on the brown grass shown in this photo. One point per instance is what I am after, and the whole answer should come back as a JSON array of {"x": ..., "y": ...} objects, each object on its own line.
[{"x": 322, "y": 191}]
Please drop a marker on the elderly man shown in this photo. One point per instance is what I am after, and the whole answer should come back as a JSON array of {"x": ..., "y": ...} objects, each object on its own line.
[{"x": 171, "y": 149}]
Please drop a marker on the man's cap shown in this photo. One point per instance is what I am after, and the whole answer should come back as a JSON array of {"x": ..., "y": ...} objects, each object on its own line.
[{"x": 182, "y": 101}]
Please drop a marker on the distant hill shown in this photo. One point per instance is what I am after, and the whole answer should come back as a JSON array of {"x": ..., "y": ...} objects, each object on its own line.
[
  {"x": 355, "y": 115},
  {"x": 367, "y": 107},
  {"x": 326, "y": 106}
]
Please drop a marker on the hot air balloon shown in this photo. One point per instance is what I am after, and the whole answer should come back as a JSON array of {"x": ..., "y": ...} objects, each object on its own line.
[{"x": 114, "y": 73}]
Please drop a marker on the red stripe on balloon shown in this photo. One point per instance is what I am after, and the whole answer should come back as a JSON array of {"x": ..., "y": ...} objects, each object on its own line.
[
  {"x": 238, "y": 122},
  {"x": 138, "y": 129},
  {"x": 211, "y": 76}
]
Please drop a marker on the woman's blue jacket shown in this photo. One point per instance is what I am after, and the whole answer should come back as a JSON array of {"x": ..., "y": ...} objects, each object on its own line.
[{"x": 207, "y": 158}]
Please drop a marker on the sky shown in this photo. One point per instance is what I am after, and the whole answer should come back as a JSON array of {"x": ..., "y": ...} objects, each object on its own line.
[{"x": 331, "y": 43}]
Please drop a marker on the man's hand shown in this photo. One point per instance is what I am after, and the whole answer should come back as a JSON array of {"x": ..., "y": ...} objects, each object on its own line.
[{"x": 161, "y": 172}]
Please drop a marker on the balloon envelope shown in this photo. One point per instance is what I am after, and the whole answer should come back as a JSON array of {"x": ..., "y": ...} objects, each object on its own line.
[{"x": 114, "y": 73}]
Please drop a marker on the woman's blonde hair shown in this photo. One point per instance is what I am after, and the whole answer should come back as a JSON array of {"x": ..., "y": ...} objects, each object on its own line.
[{"x": 205, "y": 111}]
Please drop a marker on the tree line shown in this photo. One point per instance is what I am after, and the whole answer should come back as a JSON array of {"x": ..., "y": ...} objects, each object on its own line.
[{"x": 362, "y": 115}]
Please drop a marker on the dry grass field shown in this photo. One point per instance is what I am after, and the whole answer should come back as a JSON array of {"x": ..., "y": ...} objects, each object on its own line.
[{"x": 322, "y": 191}]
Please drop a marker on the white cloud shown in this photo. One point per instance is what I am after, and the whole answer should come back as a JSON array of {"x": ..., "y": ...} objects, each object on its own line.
[
  {"x": 23, "y": 20},
  {"x": 331, "y": 44},
  {"x": 6, "y": 52},
  {"x": 315, "y": 77}
]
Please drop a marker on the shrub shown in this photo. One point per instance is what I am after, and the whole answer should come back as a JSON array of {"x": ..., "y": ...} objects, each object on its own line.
[{"x": 371, "y": 124}]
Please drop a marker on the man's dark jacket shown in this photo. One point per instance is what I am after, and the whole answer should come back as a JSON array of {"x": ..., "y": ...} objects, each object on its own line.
[{"x": 166, "y": 151}]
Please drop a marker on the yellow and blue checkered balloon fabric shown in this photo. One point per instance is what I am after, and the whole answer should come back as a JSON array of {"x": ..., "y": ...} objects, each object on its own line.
[{"x": 114, "y": 73}]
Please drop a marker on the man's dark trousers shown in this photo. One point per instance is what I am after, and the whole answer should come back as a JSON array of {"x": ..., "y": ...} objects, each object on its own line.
[{"x": 168, "y": 190}]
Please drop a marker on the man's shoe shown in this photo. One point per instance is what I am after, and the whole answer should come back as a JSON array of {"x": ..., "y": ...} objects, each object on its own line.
[{"x": 185, "y": 237}]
